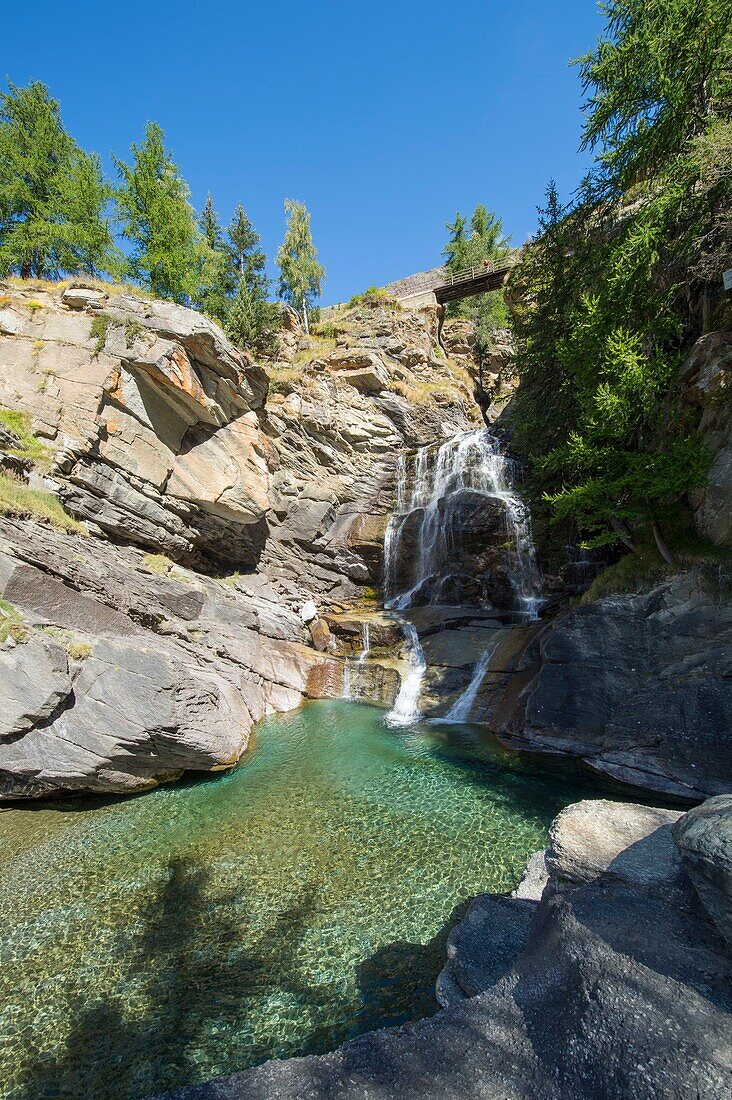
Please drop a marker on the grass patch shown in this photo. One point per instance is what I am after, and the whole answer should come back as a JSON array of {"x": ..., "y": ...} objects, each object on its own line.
[
  {"x": 5, "y": 300},
  {"x": 328, "y": 329},
  {"x": 34, "y": 305},
  {"x": 159, "y": 564},
  {"x": 78, "y": 651},
  {"x": 318, "y": 347},
  {"x": 98, "y": 331},
  {"x": 423, "y": 393},
  {"x": 133, "y": 329},
  {"x": 375, "y": 297},
  {"x": 19, "y": 423},
  {"x": 17, "y": 499},
  {"x": 11, "y": 624},
  {"x": 644, "y": 570}
]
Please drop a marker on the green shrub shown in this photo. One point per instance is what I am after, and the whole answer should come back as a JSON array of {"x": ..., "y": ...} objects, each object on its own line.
[
  {"x": 19, "y": 423},
  {"x": 98, "y": 332},
  {"x": 11, "y": 624},
  {"x": 375, "y": 297}
]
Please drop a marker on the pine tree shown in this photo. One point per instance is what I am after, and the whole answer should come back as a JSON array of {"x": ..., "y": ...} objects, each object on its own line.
[
  {"x": 301, "y": 275},
  {"x": 456, "y": 248},
  {"x": 216, "y": 285},
  {"x": 53, "y": 197},
  {"x": 245, "y": 257},
  {"x": 85, "y": 197},
  {"x": 168, "y": 254},
  {"x": 253, "y": 321}
]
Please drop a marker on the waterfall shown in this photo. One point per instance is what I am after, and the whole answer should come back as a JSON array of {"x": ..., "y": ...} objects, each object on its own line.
[
  {"x": 461, "y": 708},
  {"x": 363, "y": 655},
  {"x": 365, "y": 643},
  {"x": 473, "y": 462},
  {"x": 406, "y": 706}
]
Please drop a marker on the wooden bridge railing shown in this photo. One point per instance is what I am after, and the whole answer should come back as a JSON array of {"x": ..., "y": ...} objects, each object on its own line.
[{"x": 485, "y": 267}]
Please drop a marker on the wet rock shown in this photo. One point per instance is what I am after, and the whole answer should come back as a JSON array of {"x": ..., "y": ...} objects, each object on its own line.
[{"x": 704, "y": 839}]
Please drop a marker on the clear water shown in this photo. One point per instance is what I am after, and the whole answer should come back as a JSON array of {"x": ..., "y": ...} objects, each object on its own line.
[{"x": 277, "y": 910}]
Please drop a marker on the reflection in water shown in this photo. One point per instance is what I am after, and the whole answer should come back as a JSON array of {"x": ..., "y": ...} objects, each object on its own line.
[{"x": 278, "y": 910}]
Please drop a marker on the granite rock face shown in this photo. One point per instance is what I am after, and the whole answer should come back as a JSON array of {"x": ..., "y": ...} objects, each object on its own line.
[
  {"x": 126, "y": 677},
  {"x": 615, "y": 984},
  {"x": 131, "y": 395},
  {"x": 636, "y": 686},
  {"x": 163, "y": 437}
]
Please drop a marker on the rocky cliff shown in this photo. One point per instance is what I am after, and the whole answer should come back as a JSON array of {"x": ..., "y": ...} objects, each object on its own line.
[{"x": 227, "y": 511}]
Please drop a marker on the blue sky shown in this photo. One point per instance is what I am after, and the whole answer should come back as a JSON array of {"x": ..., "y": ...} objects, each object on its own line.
[{"x": 383, "y": 117}]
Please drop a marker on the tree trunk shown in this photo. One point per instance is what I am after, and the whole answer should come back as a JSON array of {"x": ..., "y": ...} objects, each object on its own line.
[
  {"x": 662, "y": 547},
  {"x": 623, "y": 534},
  {"x": 305, "y": 316}
]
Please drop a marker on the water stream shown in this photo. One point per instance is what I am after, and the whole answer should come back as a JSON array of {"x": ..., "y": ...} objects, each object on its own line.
[
  {"x": 152, "y": 942},
  {"x": 406, "y": 705},
  {"x": 431, "y": 493},
  {"x": 461, "y": 708},
  {"x": 434, "y": 491}
]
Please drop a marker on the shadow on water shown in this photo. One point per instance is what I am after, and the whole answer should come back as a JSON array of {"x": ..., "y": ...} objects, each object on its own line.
[
  {"x": 397, "y": 982},
  {"x": 200, "y": 983}
]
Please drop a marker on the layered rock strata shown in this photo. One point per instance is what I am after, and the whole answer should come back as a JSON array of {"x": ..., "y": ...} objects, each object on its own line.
[{"x": 164, "y": 438}]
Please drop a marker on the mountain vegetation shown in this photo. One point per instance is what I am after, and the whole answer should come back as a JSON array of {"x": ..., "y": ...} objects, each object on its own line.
[
  {"x": 471, "y": 243},
  {"x": 623, "y": 278},
  {"x": 60, "y": 216}
]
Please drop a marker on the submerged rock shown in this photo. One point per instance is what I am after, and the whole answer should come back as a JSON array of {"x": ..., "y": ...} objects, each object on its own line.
[{"x": 607, "y": 987}]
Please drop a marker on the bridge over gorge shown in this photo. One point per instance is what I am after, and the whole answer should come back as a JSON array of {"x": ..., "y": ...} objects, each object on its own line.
[{"x": 440, "y": 286}]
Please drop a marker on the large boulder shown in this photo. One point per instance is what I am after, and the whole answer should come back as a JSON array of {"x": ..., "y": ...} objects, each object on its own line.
[
  {"x": 34, "y": 681},
  {"x": 638, "y": 687},
  {"x": 704, "y": 838},
  {"x": 139, "y": 715}
]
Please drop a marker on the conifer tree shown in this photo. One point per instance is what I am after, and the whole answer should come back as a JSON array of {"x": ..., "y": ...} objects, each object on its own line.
[
  {"x": 53, "y": 196},
  {"x": 301, "y": 275},
  {"x": 168, "y": 253},
  {"x": 253, "y": 321},
  {"x": 456, "y": 247},
  {"x": 216, "y": 285}
]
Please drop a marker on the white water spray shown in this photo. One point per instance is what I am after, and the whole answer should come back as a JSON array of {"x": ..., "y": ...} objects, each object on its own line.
[
  {"x": 472, "y": 461},
  {"x": 461, "y": 708},
  {"x": 405, "y": 711}
]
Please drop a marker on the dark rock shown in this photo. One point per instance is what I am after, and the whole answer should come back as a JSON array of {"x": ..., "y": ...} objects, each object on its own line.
[
  {"x": 704, "y": 839},
  {"x": 639, "y": 688}
]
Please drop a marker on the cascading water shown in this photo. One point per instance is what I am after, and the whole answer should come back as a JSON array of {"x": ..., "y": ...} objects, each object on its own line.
[
  {"x": 447, "y": 483},
  {"x": 461, "y": 708},
  {"x": 406, "y": 706},
  {"x": 441, "y": 477}
]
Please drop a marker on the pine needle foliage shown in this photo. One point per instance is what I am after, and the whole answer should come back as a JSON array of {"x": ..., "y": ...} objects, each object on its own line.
[
  {"x": 616, "y": 285},
  {"x": 53, "y": 197}
]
